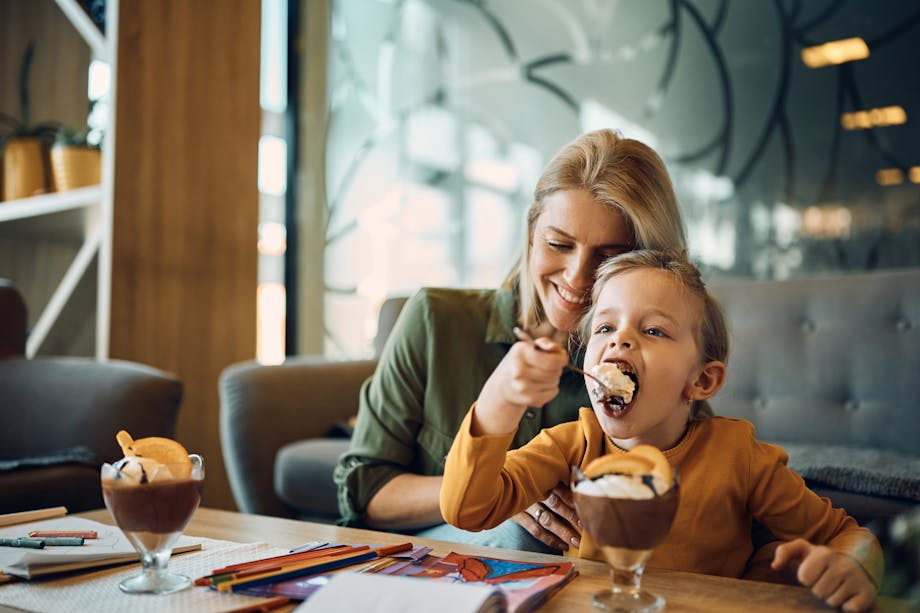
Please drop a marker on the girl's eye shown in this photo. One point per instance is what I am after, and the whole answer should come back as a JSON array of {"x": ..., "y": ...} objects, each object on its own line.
[
  {"x": 655, "y": 332},
  {"x": 603, "y": 329}
]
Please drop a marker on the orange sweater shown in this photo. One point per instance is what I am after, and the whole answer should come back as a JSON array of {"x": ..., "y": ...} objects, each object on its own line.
[{"x": 727, "y": 477}]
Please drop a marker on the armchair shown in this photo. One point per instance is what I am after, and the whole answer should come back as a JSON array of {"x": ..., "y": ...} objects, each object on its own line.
[
  {"x": 274, "y": 426},
  {"x": 59, "y": 416}
]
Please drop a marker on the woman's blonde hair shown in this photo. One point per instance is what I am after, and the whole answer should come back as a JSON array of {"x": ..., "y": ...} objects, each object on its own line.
[
  {"x": 621, "y": 173},
  {"x": 712, "y": 335}
]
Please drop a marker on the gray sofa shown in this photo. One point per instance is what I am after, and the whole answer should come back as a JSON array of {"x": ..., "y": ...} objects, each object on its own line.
[
  {"x": 59, "y": 416},
  {"x": 828, "y": 367}
]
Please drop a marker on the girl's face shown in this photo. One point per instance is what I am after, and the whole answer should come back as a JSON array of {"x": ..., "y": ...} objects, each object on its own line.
[
  {"x": 573, "y": 235},
  {"x": 648, "y": 321}
]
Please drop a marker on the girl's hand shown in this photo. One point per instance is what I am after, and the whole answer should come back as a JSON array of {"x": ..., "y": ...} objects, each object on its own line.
[
  {"x": 834, "y": 577},
  {"x": 527, "y": 376},
  {"x": 553, "y": 521}
]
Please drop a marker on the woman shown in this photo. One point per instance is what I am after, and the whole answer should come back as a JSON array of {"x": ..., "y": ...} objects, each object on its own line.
[{"x": 599, "y": 196}]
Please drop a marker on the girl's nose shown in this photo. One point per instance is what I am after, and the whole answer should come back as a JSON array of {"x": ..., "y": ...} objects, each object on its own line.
[{"x": 623, "y": 339}]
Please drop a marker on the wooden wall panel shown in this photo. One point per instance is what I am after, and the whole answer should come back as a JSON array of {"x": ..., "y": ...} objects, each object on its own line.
[
  {"x": 184, "y": 269},
  {"x": 57, "y": 83}
]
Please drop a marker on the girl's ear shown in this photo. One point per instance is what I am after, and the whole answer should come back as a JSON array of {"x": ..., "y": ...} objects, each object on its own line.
[{"x": 708, "y": 381}]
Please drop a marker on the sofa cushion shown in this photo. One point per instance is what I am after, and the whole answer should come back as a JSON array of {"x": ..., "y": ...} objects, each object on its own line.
[
  {"x": 303, "y": 477},
  {"x": 866, "y": 471}
]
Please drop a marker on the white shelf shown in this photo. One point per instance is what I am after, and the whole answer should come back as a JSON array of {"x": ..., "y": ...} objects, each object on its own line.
[
  {"x": 85, "y": 26},
  {"x": 50, "y": 203}
]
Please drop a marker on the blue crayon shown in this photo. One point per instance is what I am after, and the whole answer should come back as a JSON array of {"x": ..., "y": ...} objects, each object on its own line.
[{"x": 22, "y": 542}]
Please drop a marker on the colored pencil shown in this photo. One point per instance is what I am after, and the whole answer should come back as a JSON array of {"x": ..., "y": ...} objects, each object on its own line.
[
  {"x": 310, "y": 567},
  {"x": 227, "y": 572}
]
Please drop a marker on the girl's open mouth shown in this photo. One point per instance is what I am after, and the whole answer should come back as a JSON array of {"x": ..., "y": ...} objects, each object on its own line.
[{"x": 615, "y": 403}]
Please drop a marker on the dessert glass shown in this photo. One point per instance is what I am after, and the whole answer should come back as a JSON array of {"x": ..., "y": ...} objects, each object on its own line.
[
  {"x": 627, "y": 530},
  {"x": 152, "y": 515}
]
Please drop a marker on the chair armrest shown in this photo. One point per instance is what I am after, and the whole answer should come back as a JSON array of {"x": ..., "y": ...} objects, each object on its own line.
[
  {"x": 265, "y": 407},
  {"x": 53, "y": 403}
]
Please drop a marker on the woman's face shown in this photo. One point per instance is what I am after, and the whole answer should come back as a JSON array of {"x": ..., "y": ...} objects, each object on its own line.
[{"x": 573, "y": 235}]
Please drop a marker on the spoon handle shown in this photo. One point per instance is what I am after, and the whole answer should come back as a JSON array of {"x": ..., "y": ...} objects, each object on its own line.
[{"x": 523, "y": 336}]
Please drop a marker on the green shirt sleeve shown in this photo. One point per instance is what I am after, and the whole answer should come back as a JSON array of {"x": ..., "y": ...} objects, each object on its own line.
[{"x": 442, "y": 349}]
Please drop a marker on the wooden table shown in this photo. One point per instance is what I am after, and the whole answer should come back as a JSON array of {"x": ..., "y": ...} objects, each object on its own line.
[{"x": 683, "y": 591}]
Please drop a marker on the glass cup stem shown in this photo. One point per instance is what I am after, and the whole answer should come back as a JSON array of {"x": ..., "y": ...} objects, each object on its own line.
[
  {"x": 153, "y": 563},
  {"x": 626, "y": 593},
  {"x": 627, "y": 580}
]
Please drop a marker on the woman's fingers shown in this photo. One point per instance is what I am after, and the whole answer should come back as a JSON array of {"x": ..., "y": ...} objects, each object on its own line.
[
  {"x": 547, "y": 527},
  {"x": 561, "y": 503}
]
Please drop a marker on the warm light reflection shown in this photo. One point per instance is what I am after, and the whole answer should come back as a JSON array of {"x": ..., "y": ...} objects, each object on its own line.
[
  {"x": 914, "y": 174},
  {"x": 827, "y": 221},
  {"x": 874, "y": 118},
  {"x": 835, "y": 52},
  {"x": 889, "y": 176},
  {"x": 270, "y": 321},
  {"x": 272, "y": 238}
]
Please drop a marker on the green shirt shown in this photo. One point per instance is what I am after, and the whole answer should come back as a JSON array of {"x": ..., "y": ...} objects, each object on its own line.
[{"x": 442, "y": 349}]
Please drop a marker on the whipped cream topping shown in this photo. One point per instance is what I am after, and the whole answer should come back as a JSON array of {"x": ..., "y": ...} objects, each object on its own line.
[
  {"x": 634, "y": 487},
  {"x": 138, "y": 470},
  {"x": 617, "y": 382}
]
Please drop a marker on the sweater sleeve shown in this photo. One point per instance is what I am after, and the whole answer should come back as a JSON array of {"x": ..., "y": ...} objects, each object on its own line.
[
  {"x": 390, "y": 415},
  {"x": 485, "y": 484},
  {"x": 781, "y": 501}
]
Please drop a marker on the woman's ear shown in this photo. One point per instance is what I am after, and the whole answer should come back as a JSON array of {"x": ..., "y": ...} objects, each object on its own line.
[{"x": 708, "y": 381}]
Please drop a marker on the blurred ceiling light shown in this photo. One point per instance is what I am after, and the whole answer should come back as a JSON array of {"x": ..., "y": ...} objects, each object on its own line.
[
  {"x": 874, "y": 118},
  {"x": 272, "y": 238},
  {"x": 99, "y": 79},
  {"x": 835, "y": 52},
  {"x": 272, "y": 165},
  {"x": 914, "y": 174},
  {"x": 887, "y": 177},
  {"x": 270, "y": 313},
  {"x": 827, "y": 221}
]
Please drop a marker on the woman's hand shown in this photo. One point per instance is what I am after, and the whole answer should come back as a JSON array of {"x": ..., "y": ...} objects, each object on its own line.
[
  {"x": 553, "y": 521},
  {"x": 834, "y": 577},
  {"x": 528, "y": 376}
]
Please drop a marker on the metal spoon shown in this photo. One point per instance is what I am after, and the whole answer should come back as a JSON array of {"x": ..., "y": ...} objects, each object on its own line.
[{"x": 523, "y": 336}]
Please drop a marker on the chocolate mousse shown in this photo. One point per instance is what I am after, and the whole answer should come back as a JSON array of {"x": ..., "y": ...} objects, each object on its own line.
[
  {"x": 625, "y": 522},
  {"x": 162, "y": 507}
]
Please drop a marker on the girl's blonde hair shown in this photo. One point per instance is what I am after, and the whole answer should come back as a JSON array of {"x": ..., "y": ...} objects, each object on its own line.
[
  {"x": 712, "y": 335},
  {"x": 622, "y": 174}
]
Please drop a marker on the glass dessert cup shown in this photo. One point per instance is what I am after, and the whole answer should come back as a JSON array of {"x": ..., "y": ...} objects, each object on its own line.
[
  {"x": 627, "y": 531},
  {"x": 152, "y": 515}
]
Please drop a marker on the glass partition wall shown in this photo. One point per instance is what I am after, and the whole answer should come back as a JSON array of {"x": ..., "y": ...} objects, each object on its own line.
[{"x": 789, "y": 129}]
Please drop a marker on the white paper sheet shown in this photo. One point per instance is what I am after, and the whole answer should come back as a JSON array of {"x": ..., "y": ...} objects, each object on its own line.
[
  {"x": 111, "y": 547},
  {"x": 98, "y": 591}
]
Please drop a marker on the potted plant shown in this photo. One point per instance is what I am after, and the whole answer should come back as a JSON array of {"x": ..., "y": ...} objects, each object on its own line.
[
  {"x": 24, "y": 146},
  {"x": 74, "y": 161}
]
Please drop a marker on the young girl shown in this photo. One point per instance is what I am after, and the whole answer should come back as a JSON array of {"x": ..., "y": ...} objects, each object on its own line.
[{"x": 651, "y": 313}]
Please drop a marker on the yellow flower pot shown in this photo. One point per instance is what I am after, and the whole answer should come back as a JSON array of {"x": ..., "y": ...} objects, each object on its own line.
[
  {"x": 25, "y": 168},
  {"x": 74, "y": 166}
]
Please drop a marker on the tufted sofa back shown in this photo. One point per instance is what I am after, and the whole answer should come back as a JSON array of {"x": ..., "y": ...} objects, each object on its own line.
[{"x": 830, "y": 360}]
